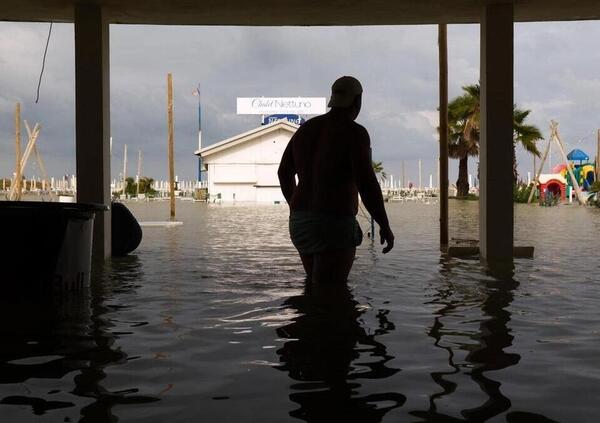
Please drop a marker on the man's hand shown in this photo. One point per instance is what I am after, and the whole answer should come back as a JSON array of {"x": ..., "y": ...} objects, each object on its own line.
[{"x": 387, "y": 236}]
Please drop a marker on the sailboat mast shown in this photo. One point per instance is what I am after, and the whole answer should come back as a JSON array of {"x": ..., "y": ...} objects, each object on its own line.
[
  {"x": 124, "y": 169},
  {"x": 139, "y": 171}
]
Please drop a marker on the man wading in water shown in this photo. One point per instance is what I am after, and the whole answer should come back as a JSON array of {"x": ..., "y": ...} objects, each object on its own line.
[{"x": 331, "y": 154}]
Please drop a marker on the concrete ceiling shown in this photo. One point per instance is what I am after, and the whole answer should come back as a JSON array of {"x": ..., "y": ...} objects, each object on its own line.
[{"x": 297, "y": 12}]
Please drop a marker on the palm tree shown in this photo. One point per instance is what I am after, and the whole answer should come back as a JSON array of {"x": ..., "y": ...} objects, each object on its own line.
[
  {"x": 129, "y": 186},
  {"x": 146, "y": 185},
  {"x": 463, "y": 128},
  {"x": 463, "y": 123},
  {"x": 526, "y": 135},
  {"x": 378, "y": 169}
]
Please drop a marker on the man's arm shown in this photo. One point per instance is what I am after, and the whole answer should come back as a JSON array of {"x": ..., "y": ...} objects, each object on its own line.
[
  {"x": 369, "y": 189},
  {"x": 287, "y": 173}
]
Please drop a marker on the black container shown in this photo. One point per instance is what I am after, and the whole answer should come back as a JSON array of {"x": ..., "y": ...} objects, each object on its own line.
[
  {"x": 126, "y": 233},
  {"x": 46, "y": 246}
]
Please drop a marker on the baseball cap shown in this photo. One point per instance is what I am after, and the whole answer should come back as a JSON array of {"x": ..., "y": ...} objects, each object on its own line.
[{"x": 343, "y": 91}]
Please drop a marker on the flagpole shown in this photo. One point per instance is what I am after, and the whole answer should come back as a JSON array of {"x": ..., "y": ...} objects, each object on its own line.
[{"x": 200, "y": 164}]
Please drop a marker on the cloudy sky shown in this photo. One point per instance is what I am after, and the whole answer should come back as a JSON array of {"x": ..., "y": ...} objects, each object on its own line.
[{"x": 557, "y": 69}]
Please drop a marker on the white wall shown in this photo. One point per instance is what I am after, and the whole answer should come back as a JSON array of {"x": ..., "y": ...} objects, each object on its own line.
[
  {"x": 249, "y": 169},
  {"x": 235, "y": 192}
]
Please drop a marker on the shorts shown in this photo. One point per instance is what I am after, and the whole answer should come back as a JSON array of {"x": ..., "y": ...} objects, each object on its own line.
[{"x": 313, "y": 233}]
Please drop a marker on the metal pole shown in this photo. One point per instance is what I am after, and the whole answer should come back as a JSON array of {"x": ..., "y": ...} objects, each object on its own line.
[
  {"x": 124, "y": 169},
  {"x": 443, "y": 163},
  {"x": 200, "y": 164},
  {"x": 170, "y": 136}
]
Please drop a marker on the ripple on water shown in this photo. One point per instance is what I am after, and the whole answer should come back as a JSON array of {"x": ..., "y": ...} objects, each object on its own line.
[{"x": 213, "y": 319}]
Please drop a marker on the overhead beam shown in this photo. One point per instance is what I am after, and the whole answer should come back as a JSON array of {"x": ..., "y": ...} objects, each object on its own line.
[
  {"x": 496, "y": 213},
  {"x": 92, "y": 118},
  {"x": 307, "y": 12}
]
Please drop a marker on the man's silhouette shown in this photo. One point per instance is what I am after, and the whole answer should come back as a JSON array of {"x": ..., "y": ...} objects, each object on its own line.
[{"x": 331, "y": 155}]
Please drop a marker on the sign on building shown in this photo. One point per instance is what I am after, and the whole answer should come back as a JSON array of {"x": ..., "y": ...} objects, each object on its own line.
[
  {"x": 281, "y": 105},
  {"x": 298, "y": 120}
]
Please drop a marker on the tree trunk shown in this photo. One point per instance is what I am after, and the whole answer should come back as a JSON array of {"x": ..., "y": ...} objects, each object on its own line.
[
  {"x": 462, "y": 183},
  {"x": 515, "y": 172}
]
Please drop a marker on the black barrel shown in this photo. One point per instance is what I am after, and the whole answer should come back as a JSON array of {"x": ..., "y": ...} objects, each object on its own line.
[{"x": 46, "y": 246}]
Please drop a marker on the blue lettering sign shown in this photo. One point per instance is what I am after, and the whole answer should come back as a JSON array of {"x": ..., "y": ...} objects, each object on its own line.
[{"x": 296, "y": 119}]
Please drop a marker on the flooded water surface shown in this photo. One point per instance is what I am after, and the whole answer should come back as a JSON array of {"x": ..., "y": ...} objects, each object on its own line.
[{"x": 211, "y": 321}]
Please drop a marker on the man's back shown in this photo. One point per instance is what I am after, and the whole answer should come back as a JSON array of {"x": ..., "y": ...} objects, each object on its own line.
[
  {"x": 331, "y": 157},
  {"x": 324, "y": 152}
]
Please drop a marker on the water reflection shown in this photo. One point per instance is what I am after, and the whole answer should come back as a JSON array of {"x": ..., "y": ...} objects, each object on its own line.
[
  {"x": 489, "y": 355},
  {"x": 485, "y": 347},
  {"x": 119, "y": 275},
  {"x": 48, "y": 339},
  {"x": 328, "y": 352}
]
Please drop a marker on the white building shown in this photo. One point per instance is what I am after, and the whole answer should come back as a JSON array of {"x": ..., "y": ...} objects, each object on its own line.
[{"x": 244, "y": 167}]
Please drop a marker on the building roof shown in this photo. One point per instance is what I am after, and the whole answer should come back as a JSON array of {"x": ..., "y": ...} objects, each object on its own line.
[
  {"x": 547, "y": 177},
  {"x": 577, "y": 154},
  {"x": 247, "y": 136},
  {"x": 307, "y": 12}
]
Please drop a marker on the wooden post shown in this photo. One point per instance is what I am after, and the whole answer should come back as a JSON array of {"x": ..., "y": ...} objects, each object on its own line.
[
  {"x": 443, "y": 153},
  {"x": 580, "y": 196},
  {"x": 538, "y": 172},
  {"x": 14, "y": 190},
  {"x": 170, "y": 128},
  {"x": 550, "y": 159},
  {"x": 18, "y": 169},
  {"x": 45, "y": 181}
]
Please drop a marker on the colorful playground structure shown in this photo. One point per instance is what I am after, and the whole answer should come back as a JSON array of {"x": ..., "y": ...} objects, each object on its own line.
[{"x": 560, "y": 184}]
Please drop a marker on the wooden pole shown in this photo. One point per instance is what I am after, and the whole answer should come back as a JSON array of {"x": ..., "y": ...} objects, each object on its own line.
[
  {"x": 18, "y": 169},
  {"x": 170, "y": 127},
  {"x": 580, "y": 196},
  {"x": 550, "y": 159},
  {"x": 16, "y": 187},
  {"x": 45, "y": 181},
  {"x": 443, "y": 153},
  {"x": 536, "y": 177},
  {"x": 33, "y": 135}
]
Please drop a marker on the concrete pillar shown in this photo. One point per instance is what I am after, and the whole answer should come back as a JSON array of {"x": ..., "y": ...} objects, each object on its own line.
[
  {"x": 496, "y": 177},
  {"x": 92, "y": 117}
]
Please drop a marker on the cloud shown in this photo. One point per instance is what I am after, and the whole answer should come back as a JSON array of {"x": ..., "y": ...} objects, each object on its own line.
[
  {"x": 551, "y": 105},
  {"x": 555, "y": 76}
]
